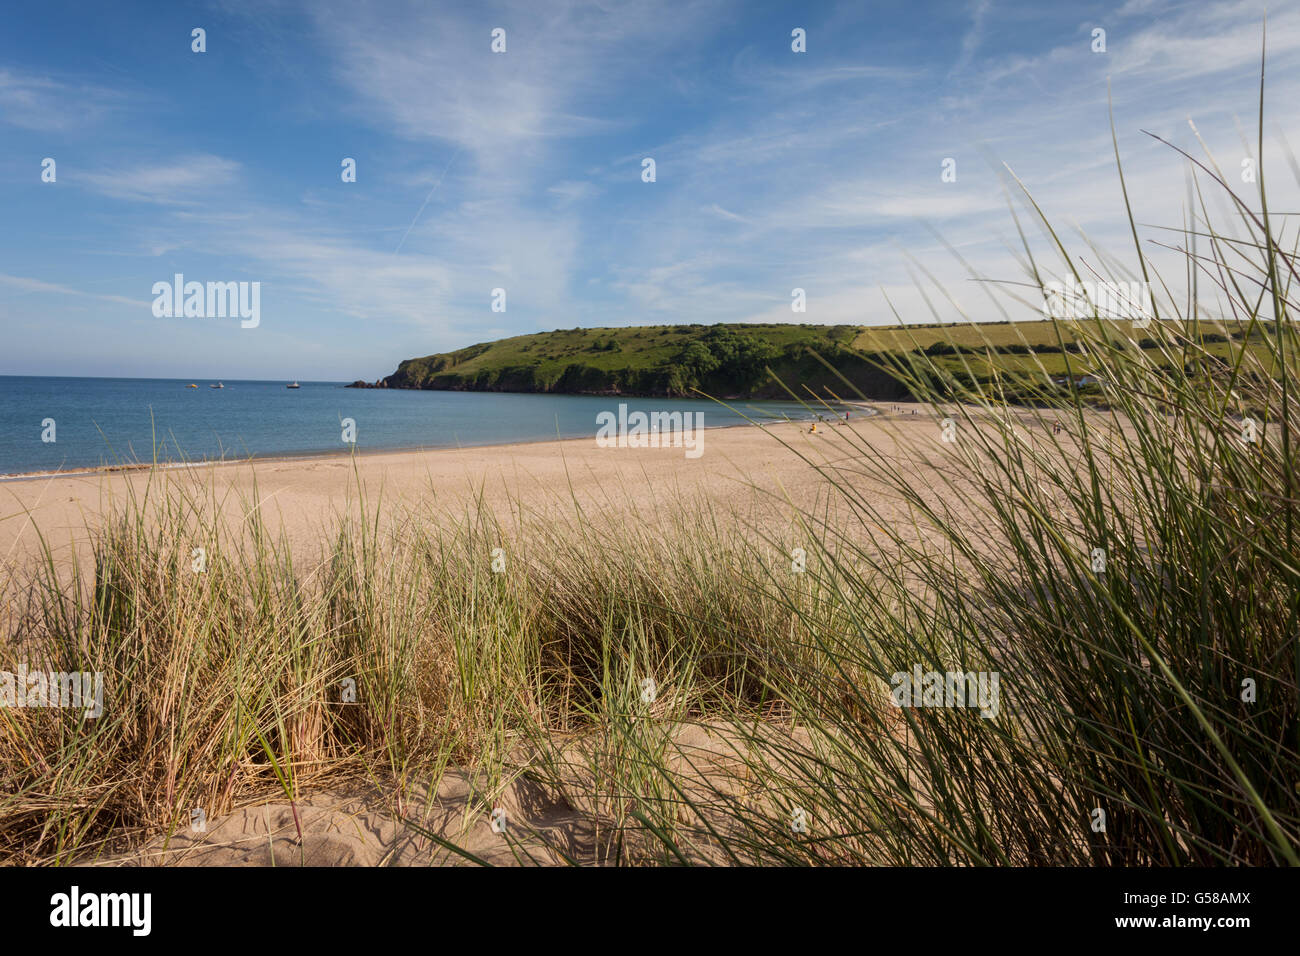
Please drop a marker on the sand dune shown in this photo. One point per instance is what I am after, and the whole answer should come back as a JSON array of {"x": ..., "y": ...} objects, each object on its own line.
[{"x": 366, "y": 825}]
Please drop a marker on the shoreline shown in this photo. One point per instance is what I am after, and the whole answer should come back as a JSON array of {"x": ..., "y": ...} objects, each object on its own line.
[
  {"x": 93, "y": 471},
  {"x": 749, "y": 469}
]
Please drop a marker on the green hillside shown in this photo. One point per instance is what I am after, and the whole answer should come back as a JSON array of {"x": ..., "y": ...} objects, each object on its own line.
[{"x": 755, "y": 361}]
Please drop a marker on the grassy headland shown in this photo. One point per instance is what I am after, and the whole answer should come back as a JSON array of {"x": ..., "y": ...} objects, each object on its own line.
[{"x": 752, "y": 361}]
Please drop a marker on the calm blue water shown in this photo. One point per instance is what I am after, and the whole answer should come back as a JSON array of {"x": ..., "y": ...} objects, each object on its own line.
[{"x": 111, "y": 421}]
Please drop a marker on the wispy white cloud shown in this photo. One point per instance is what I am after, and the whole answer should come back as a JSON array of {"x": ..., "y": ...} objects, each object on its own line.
[
  {"x": 29, "y": 285},
  {"x": 725, "y": 213},
  {"x": 973, "y": 37},
  {"x": 181, "y": 182},
  {"x": 49, "y": 104},
  {"x": 561, "y": 60}
]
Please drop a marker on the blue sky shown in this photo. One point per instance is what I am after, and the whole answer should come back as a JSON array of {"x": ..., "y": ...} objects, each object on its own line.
[{"x": 775, "y": 169}]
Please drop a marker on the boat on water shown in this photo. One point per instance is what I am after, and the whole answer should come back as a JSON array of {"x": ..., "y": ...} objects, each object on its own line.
[
  {"x": 218, "y": 385},
  {"x": 294, "y": 385},
  {"x": 191, "y": 385}
]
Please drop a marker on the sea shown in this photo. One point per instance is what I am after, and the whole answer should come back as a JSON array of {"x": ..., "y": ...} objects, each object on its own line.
[{"x": 50, "y": 424}]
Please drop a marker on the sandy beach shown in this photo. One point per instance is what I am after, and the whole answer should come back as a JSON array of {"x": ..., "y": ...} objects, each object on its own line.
[{"x": 742, "y": 468}]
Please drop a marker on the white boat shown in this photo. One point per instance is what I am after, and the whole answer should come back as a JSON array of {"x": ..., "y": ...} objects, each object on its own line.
[
  {"x": 218, "y": 385},
  {"x": 294, "y": 385}
]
